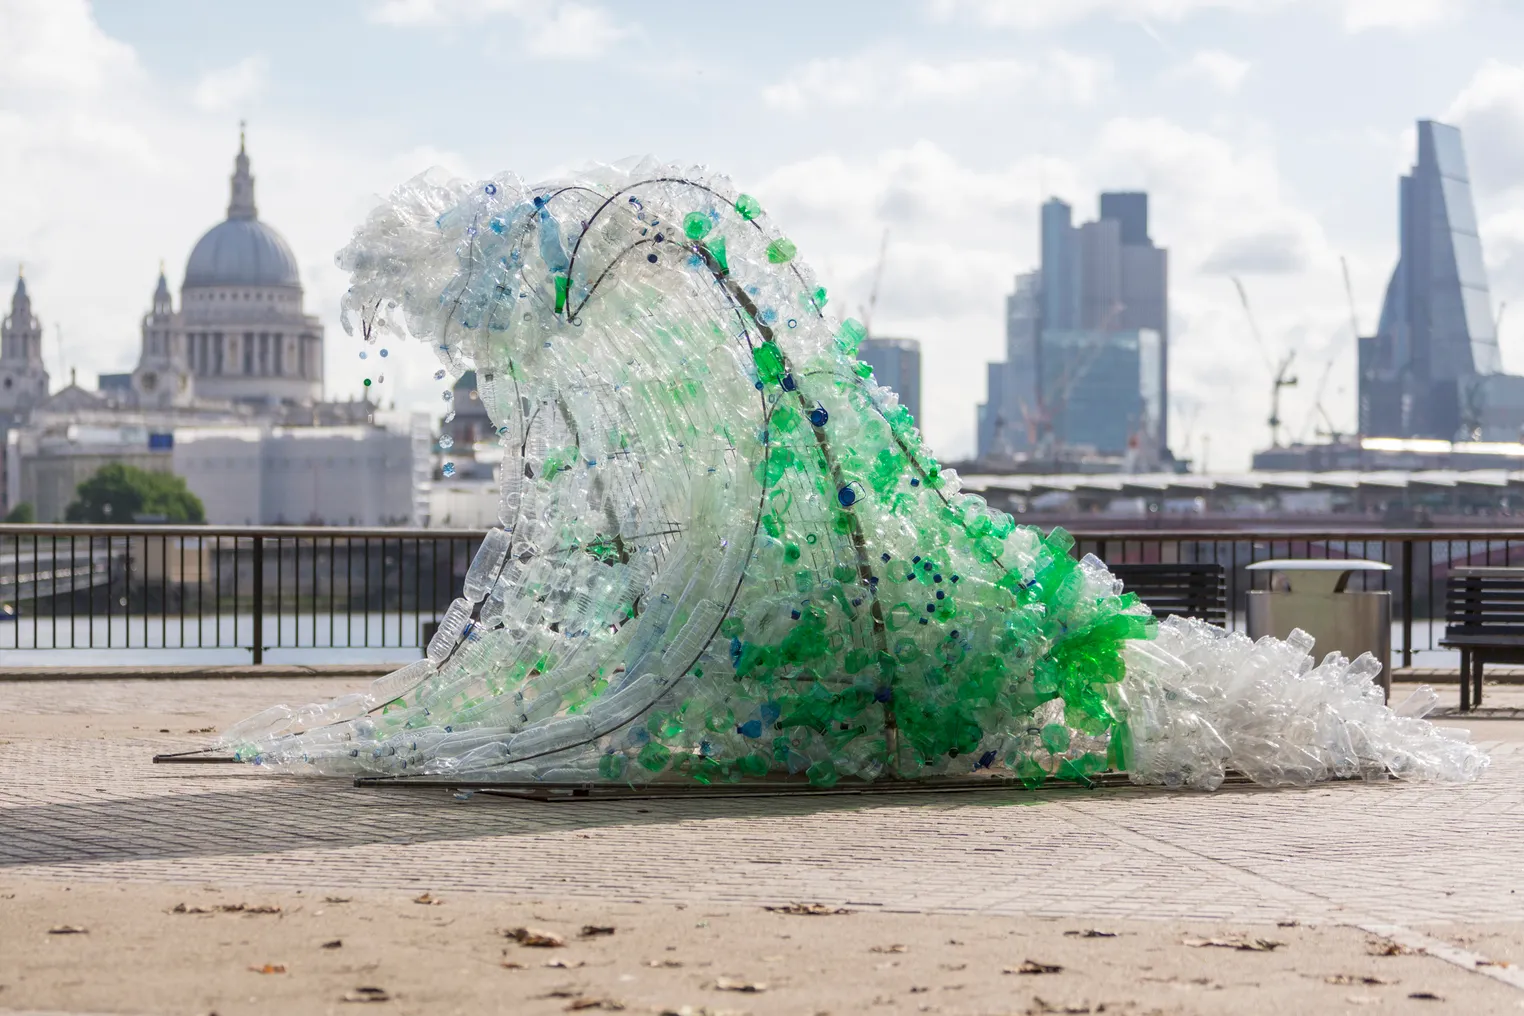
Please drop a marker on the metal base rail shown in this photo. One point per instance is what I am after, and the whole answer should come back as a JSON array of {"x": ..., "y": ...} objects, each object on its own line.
[{"x": 571, "y": 792}]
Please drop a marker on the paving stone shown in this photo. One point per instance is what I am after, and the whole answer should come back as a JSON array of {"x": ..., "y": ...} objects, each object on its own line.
[{"x": 95, "y": 809}]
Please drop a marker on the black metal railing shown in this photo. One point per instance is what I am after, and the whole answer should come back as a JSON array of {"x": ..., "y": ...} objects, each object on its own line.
[
  {"x": 207, "y": 587},
  {"x": 290, "y": 588},
  {"x": 1421, "y": 560}
]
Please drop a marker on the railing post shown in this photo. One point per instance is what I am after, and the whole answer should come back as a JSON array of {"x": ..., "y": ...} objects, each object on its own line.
[
  {"x": 259, "y": 600},
  {"x": 1407, "y": 603}
]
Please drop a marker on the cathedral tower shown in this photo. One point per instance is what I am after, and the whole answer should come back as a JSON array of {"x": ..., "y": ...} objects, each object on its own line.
[{"x": 23, "y": 379}]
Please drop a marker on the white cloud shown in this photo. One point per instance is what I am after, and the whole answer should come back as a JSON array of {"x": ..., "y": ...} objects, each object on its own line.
[
  {"x": 888, "y": 79},
  {"x": 1490, "y": 111},
  {"x": 1272, "y": 252},
  {"x": 1405, "y": 15},
  {"x": 230, "y": 87},
  {"x": 958, "y": 232},
  {"x": 103, "y": 157},
  {"x": 1220, "y": 71},
  {"x": 441, "y": 12},
  {"x": 1041, "y": 14},
  {"x": 554, "y": 30},
  {"x": 1357, "y": 15},
  {"x": 56, "y": 46}
]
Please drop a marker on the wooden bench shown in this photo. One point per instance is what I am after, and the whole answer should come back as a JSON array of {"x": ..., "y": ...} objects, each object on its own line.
[
  {"x": 1189, "y": 590},
  {"x": 1484, "y": 619}
]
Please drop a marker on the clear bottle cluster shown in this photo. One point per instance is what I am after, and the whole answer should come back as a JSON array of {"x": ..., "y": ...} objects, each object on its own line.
[{"x": 726, "y": 554}]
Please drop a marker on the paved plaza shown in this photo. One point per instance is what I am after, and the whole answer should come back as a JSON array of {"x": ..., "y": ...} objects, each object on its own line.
[{"x": 1431, "y": 869}]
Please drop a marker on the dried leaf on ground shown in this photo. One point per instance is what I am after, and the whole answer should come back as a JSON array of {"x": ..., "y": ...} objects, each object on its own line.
[
  {"x": 1426, "y": 996},
  {"x": 537, "y": 938},
  {"x": 1043, "y": 1006},
  {"x": 1034, "y": 967},
  {"x": 1356, "y": 979},
  {"x": 68, "y": 929},
  {"x": 664, "y": 963},
  {"x": 513, "y": 965},
  {"x": 895, "y": 948},
  {"x": 701, "y": 1010},
  {"x": 427, "y": 900},
  {"x": 607, "y": 1004},
  {"x": 1384, "y": 947},
  {"x": 953, "y": 966},
  {"x": 336, "y": 899},
  {"x": 246, "y": 908},
  {"x": 366, "y": 994},
  {"x": 731, "y": 984},
  {"x": 563, "y": 964},
  {"x": 181, "y": 908},
  {"x": 337, "y": 943},
  {"x": 1199, "y": 982},
  {"x": 1091, "y": 933},
  {"x": 270, "y": 968},
  {"x": 594, "y": 930},
  {"x": 808, "y": 909},
  {"x": 1242, "y": 943}
]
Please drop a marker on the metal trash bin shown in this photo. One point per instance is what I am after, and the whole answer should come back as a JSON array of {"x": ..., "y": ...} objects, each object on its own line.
[{"x": 1311, "y": 595}]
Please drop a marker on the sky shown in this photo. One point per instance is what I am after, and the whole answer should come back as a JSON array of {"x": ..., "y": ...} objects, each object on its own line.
[{"x": 1269, "y": 134}]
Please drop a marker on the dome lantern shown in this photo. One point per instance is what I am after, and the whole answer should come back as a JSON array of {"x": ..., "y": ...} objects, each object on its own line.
[{"x": 242, "y": 250}]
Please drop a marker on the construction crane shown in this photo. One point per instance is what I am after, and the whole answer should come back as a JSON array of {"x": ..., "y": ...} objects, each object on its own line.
[
  {"x": 878, "y": 276},
  {"x": 1329, "y": 430},
  {"x": 1280, "y": 371},
  {"x": 1349, "y": 294}
]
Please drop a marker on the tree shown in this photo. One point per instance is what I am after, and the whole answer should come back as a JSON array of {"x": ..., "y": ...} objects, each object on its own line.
[
  {"x": 125, "y": 494},
  {"x": 21, "y": 514}
]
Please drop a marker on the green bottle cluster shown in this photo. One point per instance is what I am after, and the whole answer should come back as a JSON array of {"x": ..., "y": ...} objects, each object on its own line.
[{"x": 726, "y": 553}]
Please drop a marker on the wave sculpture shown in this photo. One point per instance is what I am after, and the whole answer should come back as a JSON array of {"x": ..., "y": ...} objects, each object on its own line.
[{"x": 726, "y": 553}]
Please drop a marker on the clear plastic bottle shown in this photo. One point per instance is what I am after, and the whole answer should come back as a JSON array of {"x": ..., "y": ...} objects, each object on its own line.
[
  {"x": 451, "y": 627},
  {"x": 485, "y": 565}
]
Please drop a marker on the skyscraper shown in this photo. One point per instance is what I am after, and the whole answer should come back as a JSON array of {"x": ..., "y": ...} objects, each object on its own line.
[
  {"x": 896, "y": 365},
  {"x": 1090, "y": 328},
  {"x": 1433, "y": 369},
  {"x": 1009, "y": 416}
]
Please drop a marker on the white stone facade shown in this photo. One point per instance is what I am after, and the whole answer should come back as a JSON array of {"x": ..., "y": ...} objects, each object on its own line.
[{"x": 334, "y": 476}]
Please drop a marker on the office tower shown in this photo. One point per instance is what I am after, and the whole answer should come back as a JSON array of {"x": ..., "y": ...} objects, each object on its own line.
[
  {"x": 1129, "y": 210},
  {"x": 896, "y": 365},
  {"x": 1101, "y": 317},
  {"x": 1008, "y": 419},
  {"x": 1102, "y": 390},
  {"x": 1060, "y": 291},
  {"x": 1432, "y": 369}
]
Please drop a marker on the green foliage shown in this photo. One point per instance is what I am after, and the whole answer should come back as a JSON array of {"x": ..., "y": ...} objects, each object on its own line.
[
  {"x": 22, "y": 514},
  {"x": 124, "y": 494}
]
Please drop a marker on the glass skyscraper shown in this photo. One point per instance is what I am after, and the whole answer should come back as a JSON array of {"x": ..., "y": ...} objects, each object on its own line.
[
  {"x": 896, "y": 365},
  {"x": 1087, "y": 342},
  {"x": 1432, "y": 369}
]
